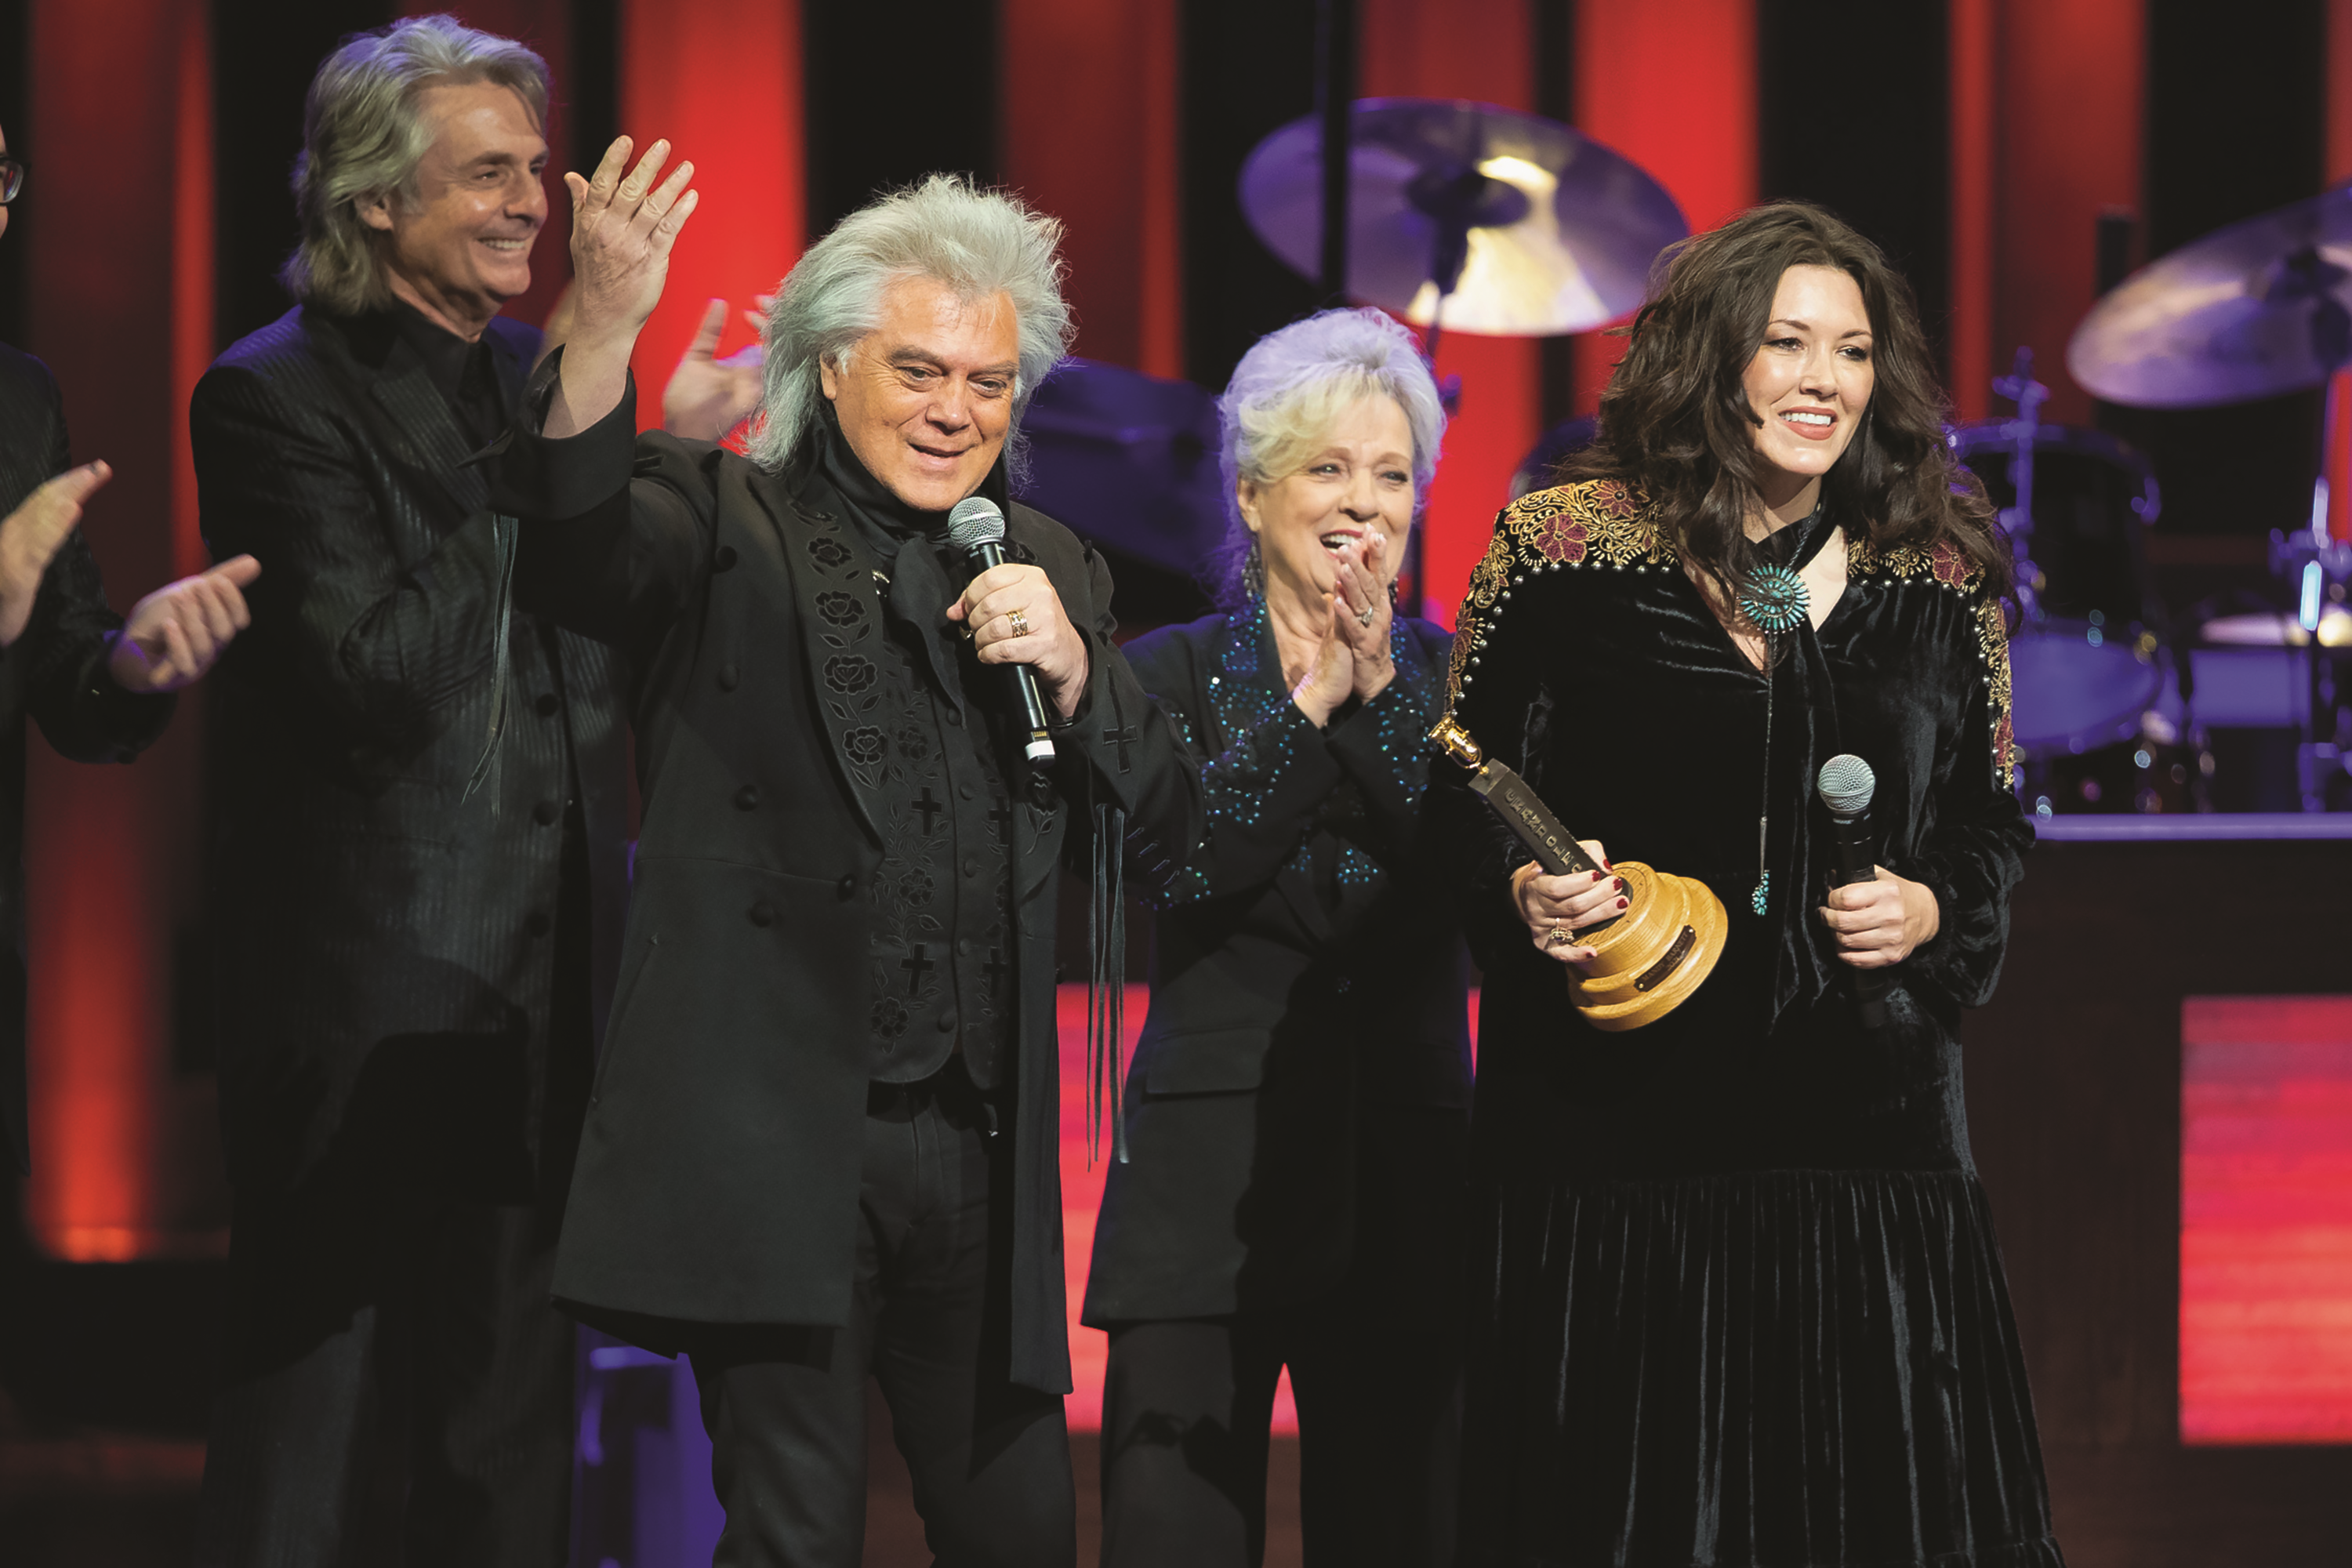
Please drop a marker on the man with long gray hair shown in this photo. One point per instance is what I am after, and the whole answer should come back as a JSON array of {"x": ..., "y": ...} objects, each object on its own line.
[
  {"x": 418, "y": 871},
  {"x": 823, "y": 1143}
]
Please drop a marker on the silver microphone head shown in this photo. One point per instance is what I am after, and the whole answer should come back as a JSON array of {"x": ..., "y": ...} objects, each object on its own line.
[
  {"x": 974, "y": 522},
  {"x": 1846, "y": 785}
]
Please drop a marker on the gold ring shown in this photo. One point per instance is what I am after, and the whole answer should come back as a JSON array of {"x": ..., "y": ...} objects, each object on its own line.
[
  {"x": 1020, "y": 623},
  {"x": 1559, "y": 936}
]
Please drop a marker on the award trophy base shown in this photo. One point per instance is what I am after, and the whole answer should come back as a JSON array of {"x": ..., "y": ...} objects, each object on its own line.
[{"x": 1646, "y": 961}]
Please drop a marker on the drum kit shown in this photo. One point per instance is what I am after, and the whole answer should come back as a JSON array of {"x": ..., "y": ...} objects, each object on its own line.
[{"x": 2259, "y": 309}]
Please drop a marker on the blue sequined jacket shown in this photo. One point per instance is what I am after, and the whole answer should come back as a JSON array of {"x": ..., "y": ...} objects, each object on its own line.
[{"x": 1306, "y": 1056}]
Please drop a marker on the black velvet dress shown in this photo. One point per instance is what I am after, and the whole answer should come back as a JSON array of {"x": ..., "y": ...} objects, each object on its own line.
[{"x": 1737, "y": 1301}]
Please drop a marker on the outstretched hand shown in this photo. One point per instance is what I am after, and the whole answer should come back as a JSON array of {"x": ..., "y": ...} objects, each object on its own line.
[
  {"x": 180, "y": 630},
  {"x": 708, "y": 397},
  {"x": 31, "y": 536},
  {"x": 622, "y": 231}
]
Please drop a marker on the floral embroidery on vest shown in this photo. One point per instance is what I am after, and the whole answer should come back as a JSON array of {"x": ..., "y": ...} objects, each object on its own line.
[{"x": 1595, "y": 523}]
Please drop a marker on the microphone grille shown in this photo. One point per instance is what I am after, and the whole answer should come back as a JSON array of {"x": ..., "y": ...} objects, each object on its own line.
[
  {"x": 972, "y": 521},
  {"x": 1846, "y": 785}
]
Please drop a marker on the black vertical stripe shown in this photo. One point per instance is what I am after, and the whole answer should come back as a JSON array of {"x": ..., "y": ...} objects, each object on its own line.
[
  {"x": 2236, "y": 125},
  {"x": 1248, "y": 67},
  {"x": 594, "y": 93},
  {"x": 264, "y": 56},
  {"x": 1552, "y": 24},
  {"x": 1862, "y": 127},
  {"x": 895, "y": 93},
  {"x": 12, "y": 36}
]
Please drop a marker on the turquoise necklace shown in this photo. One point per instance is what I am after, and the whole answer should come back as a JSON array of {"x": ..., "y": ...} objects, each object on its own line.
[{"x": 1775, "y": 602}]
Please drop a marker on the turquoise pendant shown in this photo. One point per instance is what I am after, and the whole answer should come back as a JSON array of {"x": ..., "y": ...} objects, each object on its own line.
[
  {"x": 1760, "y": 901},
  {"x": 1775, "y": 600}
]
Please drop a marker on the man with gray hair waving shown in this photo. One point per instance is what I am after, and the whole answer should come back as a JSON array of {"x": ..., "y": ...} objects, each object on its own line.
[
  {"x": 420, "y": 800},
  {"x": 822, "y": 1143}
]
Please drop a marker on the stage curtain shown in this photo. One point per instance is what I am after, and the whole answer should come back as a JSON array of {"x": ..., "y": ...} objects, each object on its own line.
[
  {"x": 1087, "y": 111},
  {"x": 722, "y": 78},
  {"x": 117, "y": 231}
]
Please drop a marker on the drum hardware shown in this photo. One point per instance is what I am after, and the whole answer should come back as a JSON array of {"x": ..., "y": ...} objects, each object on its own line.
[
  {"x": 2020, "y": 387},
  {"x": 1648, "y": 960},
  {"x": 2258, "y": 309},
  {"x": 2089, "y": 658}
]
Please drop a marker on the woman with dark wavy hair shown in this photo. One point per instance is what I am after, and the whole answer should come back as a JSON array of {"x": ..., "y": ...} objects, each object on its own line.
[{"x": 1738, "y": 1300}]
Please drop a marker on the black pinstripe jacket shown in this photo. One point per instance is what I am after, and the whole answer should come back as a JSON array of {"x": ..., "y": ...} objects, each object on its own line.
[
  {"x": 385, "y": 964},
  {"x": 56, "y": 673}
]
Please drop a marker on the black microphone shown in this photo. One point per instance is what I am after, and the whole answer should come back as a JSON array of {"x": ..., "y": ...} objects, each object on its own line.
[
  {"x": 977, "y": 528},
  {"x": 1846, "y": 785}
]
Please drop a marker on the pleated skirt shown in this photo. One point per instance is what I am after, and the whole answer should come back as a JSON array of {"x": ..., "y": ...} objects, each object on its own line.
[{"x": 1787, "y": 1369}]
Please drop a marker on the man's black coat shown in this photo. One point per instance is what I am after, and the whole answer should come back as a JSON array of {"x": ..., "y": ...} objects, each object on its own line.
[
  {"x": 718, "y": 1173},
  {"x": 386, "y": 941},
  {"x": 55, "y": 671}
]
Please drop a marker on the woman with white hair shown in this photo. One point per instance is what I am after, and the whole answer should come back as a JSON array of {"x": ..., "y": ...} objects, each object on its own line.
[{"x": 1296, "y": 1132}]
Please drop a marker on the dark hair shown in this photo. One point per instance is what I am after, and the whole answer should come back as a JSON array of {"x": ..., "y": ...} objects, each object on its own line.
[{"x": 1675, "y": 422}]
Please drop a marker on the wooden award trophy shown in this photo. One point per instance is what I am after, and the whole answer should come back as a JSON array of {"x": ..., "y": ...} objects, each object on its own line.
[{"x": 1649, "y": 958}]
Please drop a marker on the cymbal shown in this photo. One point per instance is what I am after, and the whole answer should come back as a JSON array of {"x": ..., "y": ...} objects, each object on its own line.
[
  {"x": 2260, "y": 308},
  {"x": 1560, "y": 230}
]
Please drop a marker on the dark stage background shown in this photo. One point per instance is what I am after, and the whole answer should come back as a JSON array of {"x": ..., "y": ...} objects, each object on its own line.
[{"x": 1981, "y": 142}]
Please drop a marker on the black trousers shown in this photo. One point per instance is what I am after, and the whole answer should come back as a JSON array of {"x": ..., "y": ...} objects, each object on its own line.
[
  {"x": 1186, "y": 1408},
  {"x": 786, "y": 1407},
  {"x": 397, "y": 1388},
  {"x": 402, "y": 1394}
]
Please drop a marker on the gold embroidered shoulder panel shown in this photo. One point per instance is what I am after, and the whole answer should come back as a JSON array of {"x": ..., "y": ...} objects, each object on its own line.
[
  {"x": 1943, "y": 561},
  {"x": 1599, "y": 522},
  {"x": 1595, "y": 523}
]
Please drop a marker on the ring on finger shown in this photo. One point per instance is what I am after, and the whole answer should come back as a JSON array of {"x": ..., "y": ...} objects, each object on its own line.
[
  {"x": 1364, "y": 616},
  {"x": 1019, "y": 622},
  {"x": 1558, "y": 937}
]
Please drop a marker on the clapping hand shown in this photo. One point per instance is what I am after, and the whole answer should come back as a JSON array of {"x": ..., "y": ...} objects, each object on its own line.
[
  {"x": 708, "y": 397},
  {"x": 180, "y": 630},
  {"x": 31, "y": 536},
  {"x": 1360, "y": 614}
]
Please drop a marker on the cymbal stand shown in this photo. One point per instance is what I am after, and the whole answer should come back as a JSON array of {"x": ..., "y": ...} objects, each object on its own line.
[
  {"x": 1457, "y": 198},
  {"x": 2017, "y": 518},
  {"x": 2312, "y": 560}
]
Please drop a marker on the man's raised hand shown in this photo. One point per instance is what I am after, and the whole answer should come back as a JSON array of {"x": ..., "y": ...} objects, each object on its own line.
[
  {"x": 31, "y": 536},
  {"x": 623, "y": 226}
]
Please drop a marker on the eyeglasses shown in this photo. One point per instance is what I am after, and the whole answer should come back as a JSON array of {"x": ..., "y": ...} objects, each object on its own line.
[{"x": 12, "y": 178}]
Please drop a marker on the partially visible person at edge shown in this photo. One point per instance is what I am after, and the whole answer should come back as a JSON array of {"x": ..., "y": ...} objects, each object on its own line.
[
  {"x": 1298, "y": 1110},
  {"x": 824, "y": 1137},
  {"x": 421, "y": 807},
  {"x": 97, "y": 684},
  {"x": 1737, "y": 1294}
]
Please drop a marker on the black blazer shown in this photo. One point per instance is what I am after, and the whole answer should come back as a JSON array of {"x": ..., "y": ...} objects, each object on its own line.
[
  {"x": 1308, "y": 993},
  {"x": 55, "y": 671},
  {"x": 385, "y": 967},
  {"x": 718, "y": 1173}
]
